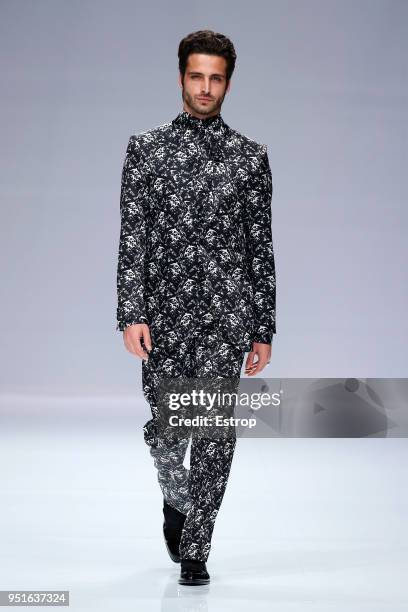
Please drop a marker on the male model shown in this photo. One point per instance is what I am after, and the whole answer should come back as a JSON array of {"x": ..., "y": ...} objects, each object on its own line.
[{"x": 196, "y": 279}]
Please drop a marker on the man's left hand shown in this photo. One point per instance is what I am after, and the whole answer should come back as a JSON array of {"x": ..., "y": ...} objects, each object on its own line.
[{"x": 263, "y": 353}]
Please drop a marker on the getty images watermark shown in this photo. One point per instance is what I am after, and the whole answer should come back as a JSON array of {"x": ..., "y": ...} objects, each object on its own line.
[
  {"x": 291, "y": 407},
  {"x": 215, "y": 404}
]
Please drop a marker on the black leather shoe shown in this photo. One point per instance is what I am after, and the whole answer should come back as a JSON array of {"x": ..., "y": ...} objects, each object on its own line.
[
  {"x": 193, "y": 572},
  {"x": 172, "y": 530}
]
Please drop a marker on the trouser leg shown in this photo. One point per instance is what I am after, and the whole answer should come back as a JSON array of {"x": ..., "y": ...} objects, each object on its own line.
[
  {"x": 168, "y": 455},
  {"x": 211, "y": 458}
]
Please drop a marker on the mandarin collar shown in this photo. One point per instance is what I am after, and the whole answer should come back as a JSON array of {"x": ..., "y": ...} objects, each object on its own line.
[{"x": 186, "y": 121}]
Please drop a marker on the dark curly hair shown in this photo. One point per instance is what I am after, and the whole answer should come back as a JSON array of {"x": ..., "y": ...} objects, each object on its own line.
[{"x": 209, "y": 42}]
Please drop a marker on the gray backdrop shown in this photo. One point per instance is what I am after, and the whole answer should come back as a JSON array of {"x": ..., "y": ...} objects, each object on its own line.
[{"x": 322, "y": 83}]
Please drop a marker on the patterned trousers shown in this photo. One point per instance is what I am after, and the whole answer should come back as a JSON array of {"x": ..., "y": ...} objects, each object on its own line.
[{"x": 199, "y": 490}]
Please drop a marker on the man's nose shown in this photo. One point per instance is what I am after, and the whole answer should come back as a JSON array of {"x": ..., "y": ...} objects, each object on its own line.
[{"x": 206, "y": 87}]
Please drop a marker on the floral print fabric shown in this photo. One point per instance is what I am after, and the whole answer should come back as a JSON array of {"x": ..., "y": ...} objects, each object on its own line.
[{"x": 196, "y": 236}]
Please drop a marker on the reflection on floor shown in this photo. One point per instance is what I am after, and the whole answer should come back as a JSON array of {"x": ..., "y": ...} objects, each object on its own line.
[{"x": 316, "y": 524}]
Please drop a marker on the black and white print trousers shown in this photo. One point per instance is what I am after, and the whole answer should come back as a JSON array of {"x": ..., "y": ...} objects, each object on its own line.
[{"x": 196, "y": 491}]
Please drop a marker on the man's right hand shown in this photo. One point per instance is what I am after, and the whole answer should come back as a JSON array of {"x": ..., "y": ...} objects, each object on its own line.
[{"x": 132, "y": 336}]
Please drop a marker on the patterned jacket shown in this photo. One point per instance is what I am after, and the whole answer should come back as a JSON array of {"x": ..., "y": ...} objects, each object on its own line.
[{"x": 196, "y": 239}]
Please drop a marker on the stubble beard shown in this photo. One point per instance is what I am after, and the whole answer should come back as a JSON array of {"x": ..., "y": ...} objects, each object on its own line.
[{"x": 207, "y": 110}]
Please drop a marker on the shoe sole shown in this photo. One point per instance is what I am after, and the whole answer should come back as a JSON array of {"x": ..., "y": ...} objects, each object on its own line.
[{"x": 194, "y": 582}]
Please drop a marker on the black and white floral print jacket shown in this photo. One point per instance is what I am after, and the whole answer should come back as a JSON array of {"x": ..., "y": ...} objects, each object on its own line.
[{"x": 196, "y": 239}]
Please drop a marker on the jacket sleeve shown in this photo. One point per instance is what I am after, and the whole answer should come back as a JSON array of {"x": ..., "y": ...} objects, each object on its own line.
[
  {"x": 261, "y": 261},
  {"x": 132, "y": 243}
]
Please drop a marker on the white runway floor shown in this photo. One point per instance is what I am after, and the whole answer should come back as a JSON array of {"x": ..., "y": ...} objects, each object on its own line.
[{"x": 305, "y": 525}]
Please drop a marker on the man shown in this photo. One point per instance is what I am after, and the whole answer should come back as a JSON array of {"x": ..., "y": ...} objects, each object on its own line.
[{"x": 196, "y": 278}]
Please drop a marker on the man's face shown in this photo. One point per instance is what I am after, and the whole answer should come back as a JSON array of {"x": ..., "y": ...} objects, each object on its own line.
[{"x": 205, "y": 84}]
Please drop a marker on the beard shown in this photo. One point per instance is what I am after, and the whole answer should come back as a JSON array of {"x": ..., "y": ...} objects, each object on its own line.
[{"x": 196, "y": 106}]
